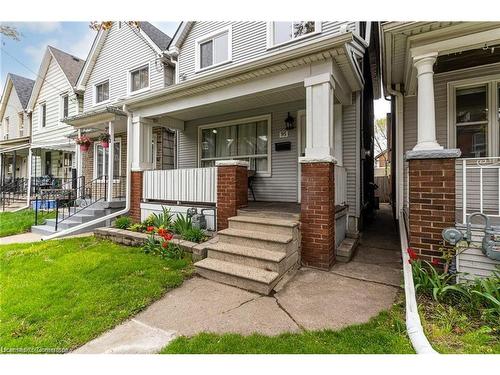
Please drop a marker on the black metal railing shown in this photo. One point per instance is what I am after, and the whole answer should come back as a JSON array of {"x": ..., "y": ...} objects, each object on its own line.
[{"x": 15, "y": 190}]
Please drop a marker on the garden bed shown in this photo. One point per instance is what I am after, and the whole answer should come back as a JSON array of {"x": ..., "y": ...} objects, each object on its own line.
[{"x": 130, "y": 238}]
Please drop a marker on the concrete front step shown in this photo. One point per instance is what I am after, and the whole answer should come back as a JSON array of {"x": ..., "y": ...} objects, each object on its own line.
[
  {"x": 43, "y": 230},
  {"x": 265, "y": 224},
  {"x": 261, "y": 240},
  {"x": 245, "y": 277},
  {"x": 275, "y": 261}
]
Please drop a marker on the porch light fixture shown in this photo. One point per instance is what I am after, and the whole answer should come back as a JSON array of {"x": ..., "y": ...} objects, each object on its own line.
[{"x": 289, "y": 122}]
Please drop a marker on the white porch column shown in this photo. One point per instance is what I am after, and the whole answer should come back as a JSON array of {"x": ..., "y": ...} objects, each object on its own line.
[
  {"x": 426, "y": 120},
  {"x": 79, "y": 164},
  {"x": 141, "y": 151},
  {"x": 111, "y": 157},
  {"x": 30, "y": 157},
  {"x": 319, "y": 118}
]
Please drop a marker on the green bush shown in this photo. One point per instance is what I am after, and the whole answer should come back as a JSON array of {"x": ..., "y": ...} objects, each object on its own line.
[
  {"x": 194, "y": 235},
  {"x": 149, "y": 221},
  {"x": 182, "y": 224},
  {"x": 123, "y": 222},
  {"x": 137, "y": 227},
  {"x": 163, "y": 220}
]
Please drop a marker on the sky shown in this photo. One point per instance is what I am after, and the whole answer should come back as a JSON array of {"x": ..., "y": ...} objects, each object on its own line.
[{"x": 24, "y": 57}]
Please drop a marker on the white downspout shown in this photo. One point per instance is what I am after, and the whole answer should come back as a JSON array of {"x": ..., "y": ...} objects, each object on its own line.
[
  {"x": 69, "y": 231},
  {"x": 413, "y": 324}
]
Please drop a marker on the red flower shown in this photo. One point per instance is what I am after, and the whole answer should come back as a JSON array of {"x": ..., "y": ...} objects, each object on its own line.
[
  {"x": 150, "y": 229},
  {"x": 167, "y": 236},
  {"x": 413, "y": 255},
  {"x": 435, "y": 262},
  {"x": 164, "y": 244},
  {"x": 161, "y": 232}
]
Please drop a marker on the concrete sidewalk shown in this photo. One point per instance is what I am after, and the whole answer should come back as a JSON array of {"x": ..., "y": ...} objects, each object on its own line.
[
  {"x": 33, "y": 237},
  {"x": 349, "y": 294}
]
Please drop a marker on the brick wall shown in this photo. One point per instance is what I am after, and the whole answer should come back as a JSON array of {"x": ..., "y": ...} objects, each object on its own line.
[
  {"x": 232, "y": 192},
  {"x": 432, "y": 204},
  {"x": 135, "y": 195},
  {"x": 317, "y": 215}
]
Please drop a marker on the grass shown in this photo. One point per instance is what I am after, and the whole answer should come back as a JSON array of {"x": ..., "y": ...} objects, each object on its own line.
[
  {"x": 57, "y": 295},
  {"x": 383, "y": 334},
  {"x": 448, "y": 330},
  {"x": 19, "y": 222}
]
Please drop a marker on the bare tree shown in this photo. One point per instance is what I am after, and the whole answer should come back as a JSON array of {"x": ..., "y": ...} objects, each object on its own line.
[
  {"x": 10, "y": 32},
  {"x": 106, "y": 25}
]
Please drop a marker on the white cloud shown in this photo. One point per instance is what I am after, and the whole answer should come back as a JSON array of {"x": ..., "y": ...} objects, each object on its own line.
[
  {"x": 36, "y": 51},
  {"x": 82, "y": 46},
  {"x": 39, "y": 27}
]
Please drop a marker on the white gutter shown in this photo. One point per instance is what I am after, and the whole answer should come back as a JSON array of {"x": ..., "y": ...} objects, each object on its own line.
[
  {"x": 413, "y": 324},
  {"x": 69, "y": 231}
]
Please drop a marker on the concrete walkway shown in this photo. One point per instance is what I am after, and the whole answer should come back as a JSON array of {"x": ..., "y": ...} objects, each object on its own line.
[
  {"x": 349, "y": 294},
  {"x": 32, "y": 237}
]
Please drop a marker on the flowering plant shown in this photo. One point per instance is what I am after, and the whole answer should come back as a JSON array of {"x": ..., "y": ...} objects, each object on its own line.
[
  {"x": 104, "y": 137},
  {"x": 83, "y": 140},
  {"x": 163, "y": 246}
]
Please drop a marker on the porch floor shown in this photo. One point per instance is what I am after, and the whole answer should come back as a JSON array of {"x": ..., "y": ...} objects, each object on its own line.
[{"x": 287, "y": 210}]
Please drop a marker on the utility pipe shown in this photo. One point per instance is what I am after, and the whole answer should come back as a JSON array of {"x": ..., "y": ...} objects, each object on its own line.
[
  {"x": 413, "y": 324},
  {"x": 70, "y": 231}
]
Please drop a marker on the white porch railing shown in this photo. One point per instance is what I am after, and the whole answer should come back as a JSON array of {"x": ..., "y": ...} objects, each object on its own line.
[
  {"x": 340, "y": 185},
  {"x": 477, "y": 187},
  {"x": 181, "y": 185}
]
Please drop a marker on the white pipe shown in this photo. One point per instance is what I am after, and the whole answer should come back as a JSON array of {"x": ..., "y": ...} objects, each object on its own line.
[
  {"x": 69, "y": 231},
  {"x": 413, "y": 324},
  {"x": 30, "y": 156}
]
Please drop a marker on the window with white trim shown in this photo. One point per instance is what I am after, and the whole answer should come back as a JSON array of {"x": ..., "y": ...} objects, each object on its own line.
[
  {"x": 247, "y": 140},
  {"x": 43, "y": 115},
  {"x": 475, "y": 117},
  {"x": 139, "y": 79},
  {"x": 21, "y": 124},
  {"x": 64, "y": 106},
  {"x": 214, "y": 49},
  {"x": 101, "y": 160},
  {"x": 6, "y": 131},
  {"x": 288, "y": 31},
  {"x": 101, "y": 93}
]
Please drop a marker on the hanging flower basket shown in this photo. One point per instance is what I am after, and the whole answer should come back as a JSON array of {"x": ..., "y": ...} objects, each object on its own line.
[
  {"x": 84, "y": 143},
  {"x": 104, "y": 138}
]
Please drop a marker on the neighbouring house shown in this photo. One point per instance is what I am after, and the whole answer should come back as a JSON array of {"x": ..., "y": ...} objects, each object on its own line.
[
  {"x": 444, "y": 79},
  {"x": 15, "y": 132},
  {"x": 382, "y": 164},
  {"x": 53, "y": 98}
]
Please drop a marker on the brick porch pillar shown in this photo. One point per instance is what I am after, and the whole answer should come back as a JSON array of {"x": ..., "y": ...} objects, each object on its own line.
[
  {"x": 135, "y": 195},
  {"x": 431, "y": 199},
  {"x": 317, "y": 214},
  {"x": 232, "y": 189}
]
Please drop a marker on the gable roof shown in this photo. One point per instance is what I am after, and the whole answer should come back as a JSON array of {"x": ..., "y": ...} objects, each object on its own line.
[
  {"x": 180, "y": 35},
  {"x": 153, "y": 36},
  {"x": 157, "y": 36},
  {"x": 70, "y": 65},
  {"x": 23, "y": 87}
]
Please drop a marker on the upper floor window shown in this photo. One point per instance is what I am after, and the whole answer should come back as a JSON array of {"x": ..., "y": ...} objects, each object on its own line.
[
  {"x": 101, "y": 94},
  {"x": 43, "y": 115},
  {"x": 64, "y": 106},
  {"x": 139, "y": 79},
  {"x": 21, "y": 124},
  {"x": 6, "y": 131},
  {"x": 214, "y": 49},
  {"x": 288, "y": 31}
]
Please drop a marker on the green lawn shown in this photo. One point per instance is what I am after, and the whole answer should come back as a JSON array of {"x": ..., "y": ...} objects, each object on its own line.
[
  {"x": 61, "y": 294},
  {"x": 19, "y": 222},
  {"x": 383, "y": 334}
]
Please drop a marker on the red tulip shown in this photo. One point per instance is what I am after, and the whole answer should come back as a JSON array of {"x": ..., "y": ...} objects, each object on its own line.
[
  {"x": 413, "y": 255},
  {"x": 435, "y": 262},
  {"x": 150, "y": 229},
  {"x": 164, "y": 245}
]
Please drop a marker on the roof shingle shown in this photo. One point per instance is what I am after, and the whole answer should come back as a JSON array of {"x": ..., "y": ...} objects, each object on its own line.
[
  {"x": 156, "y": 35},
  {"x": 70, "y": 65},
  {"x": 23, "y": 87}
]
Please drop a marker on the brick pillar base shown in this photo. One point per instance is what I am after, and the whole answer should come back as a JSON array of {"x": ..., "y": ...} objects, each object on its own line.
[
  {"x": 135, "y": 195},
  {"x": 432, "y": 204},
  {"x": 232, "y": 190},
  {"x": 317, "y": 214}
]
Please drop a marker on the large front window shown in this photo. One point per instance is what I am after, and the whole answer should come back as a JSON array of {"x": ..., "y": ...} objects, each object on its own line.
[
  {"x": 101, "y": 155},
  {"x": 283, "y": 32},
  {"x": 247, "y": 140}
]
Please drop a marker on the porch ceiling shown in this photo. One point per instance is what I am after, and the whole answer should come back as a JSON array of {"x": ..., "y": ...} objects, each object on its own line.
[{"x": 284, "y": 94}]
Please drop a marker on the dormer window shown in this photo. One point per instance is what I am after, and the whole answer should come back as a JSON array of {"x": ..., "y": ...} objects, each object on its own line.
[
  {"x": 139, "y": 79},
  {"x": 285, "y": 32},
  {"x": 213, "y": 49},
  {"x": 101, "y": 94}
]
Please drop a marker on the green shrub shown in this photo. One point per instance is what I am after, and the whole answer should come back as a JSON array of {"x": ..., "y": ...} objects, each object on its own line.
[
  {"x": 162, "y": 248},
  {"x": 163, "y": 220},
  {"x": 194, "y": 235},
  {"x": 138, "y": 227},
  {"x": 182, "y": 224},
  {"x": 123, "y": 222},
  {"x": 149, "y": 221}
]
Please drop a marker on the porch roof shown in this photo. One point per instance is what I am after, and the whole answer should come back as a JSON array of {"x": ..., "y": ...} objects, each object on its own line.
[{"x": 98, "y": 116}]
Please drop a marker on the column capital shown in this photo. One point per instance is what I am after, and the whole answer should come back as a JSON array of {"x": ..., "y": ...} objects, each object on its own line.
[
  {"x": 319, "y": 79},
  {"x": 425, "y": 63}
]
